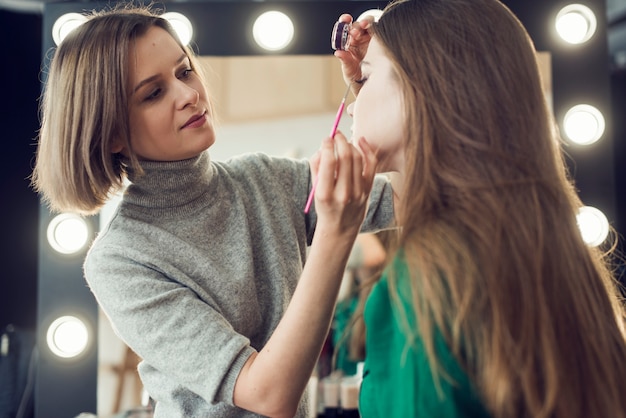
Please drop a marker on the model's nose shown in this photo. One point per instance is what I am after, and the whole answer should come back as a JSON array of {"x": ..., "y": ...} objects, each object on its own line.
[{"x": 350, "y": 109}]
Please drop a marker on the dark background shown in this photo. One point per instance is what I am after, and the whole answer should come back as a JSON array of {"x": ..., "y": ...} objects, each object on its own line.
[{"x": 20, "y": 37}]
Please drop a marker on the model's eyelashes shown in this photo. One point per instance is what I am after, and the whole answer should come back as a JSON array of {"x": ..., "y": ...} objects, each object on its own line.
[
  {"x": 185, "y": 73},
  {"x": 361, "y": 80}
]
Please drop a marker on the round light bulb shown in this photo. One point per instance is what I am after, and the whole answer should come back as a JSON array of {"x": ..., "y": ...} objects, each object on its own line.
[
  {"x": 66, "y": 24},
  {"x": 181, "y": 25},
  {"x": 374, "y": 13},
  {"x": 67, "y": 336},
  {"x": 273, "y": 30},
  {"x": 68, "y": 233},
  {"x": 576, "y": 23},
  {"x": 583, "y": 124},
  {"x": 593, "y": 225}
]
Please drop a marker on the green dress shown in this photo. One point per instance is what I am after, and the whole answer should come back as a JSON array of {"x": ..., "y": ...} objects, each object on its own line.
[
  {"x": 397, "y": 381},
  {"x": 341, "y": 320}
]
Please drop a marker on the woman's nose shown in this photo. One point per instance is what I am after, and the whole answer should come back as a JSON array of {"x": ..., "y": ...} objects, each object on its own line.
[
  {"x": 187, "y": 95},
  {"x": 350, "y": 109}
]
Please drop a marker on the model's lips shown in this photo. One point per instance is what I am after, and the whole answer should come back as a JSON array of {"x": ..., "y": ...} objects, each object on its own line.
[{"x": 195, "y": 121}]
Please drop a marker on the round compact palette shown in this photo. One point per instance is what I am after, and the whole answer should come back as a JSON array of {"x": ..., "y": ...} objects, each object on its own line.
[{"x": 340, "y": 38}]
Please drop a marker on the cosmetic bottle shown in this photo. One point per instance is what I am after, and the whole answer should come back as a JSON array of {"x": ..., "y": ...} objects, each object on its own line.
[
  {"x": 313, "y": 391},
  {"x": 349, "y": 396},
  {"x": 331, "y": 387}
]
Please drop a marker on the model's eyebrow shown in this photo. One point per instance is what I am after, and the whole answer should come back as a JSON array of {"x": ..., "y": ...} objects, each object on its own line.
[
  {"x": 156, "y": 76},
  {"x": 365, "y": 64}
]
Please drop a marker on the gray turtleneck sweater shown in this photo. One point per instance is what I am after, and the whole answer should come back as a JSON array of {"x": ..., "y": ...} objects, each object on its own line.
[{"x": 197, "y": 266}]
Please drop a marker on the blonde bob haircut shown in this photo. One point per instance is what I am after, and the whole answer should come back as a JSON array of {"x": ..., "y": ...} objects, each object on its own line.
[{"x": 84, "y": 110}]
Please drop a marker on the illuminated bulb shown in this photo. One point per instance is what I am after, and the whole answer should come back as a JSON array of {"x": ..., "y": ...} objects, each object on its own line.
[
  {"x": 583, "y": 124},
  {"x": 375, "y": 13},
  {"x": 576, "y": 23},
  {"x": 66, "y": 24},
  {"x": 68, "y": 233},
  {"x": 67, "y": 336},
  {"x": 593, "y": 225},
  {"x": 181, "y": 25},
  {"x": 273, "y": 30}
]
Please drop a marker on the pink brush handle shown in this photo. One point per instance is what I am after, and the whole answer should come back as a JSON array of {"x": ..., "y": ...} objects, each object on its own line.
[
  {"x": 333, "y": 131},
  {"x": 310, "y": 199}
]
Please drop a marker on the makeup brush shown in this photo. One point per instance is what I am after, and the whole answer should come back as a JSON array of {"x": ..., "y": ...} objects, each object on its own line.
[{"x": 333, "y": 131}]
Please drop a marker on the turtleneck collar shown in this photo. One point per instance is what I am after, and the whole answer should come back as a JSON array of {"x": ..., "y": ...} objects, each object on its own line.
[{"x": 169, "y": 184}]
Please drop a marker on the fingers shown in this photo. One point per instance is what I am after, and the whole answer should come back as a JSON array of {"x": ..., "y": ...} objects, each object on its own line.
[
  {"x": 325, "y": 171},
  {"x": 345, "y": 18},
  {"x": 348, "y": 184},
  {"x": 361, "y": 188},
  {"x": 359, "y": 33},
  {"x": 351, "y": 59},
  {"x": 314, "y": 163},
  {"x": 350, "y": 67},
  {"x": 345, "y": 175},
  {"x": 370, "y": 160}
]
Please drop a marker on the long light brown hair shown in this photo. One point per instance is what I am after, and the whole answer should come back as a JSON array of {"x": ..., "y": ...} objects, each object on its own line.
[
  {"x": 84, "y": 110},
  {"x": 490, "y": 236}
]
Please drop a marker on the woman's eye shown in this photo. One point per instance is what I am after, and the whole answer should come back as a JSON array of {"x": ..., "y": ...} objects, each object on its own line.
[
  {"x": 153, "y": 95},
  {"x": 186, "y": 73},
  {"x": 362, "y": 80}
]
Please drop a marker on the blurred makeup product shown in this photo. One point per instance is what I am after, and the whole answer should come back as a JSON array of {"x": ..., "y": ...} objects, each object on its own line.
[
  {"x": 349, "y": 396},
  {"x": 340, "y": 37},
  {"x": 333, "y": 131},
  {"x": 331, "y": 385},
  {"x": 339, "y": 395}
]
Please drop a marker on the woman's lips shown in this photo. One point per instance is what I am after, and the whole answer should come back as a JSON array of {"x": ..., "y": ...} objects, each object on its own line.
[{"x": 195, "y": 121}]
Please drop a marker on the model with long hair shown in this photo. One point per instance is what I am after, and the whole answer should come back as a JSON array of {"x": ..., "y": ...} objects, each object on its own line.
[{"x": 492, "y": 304}]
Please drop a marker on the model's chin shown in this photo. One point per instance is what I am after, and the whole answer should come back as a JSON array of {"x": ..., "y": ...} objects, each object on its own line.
[{"x": 210, "y": 143}]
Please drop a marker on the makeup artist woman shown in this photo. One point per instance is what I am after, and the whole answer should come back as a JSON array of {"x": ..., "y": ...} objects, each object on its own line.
[{"x": 200, "y": 270}]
